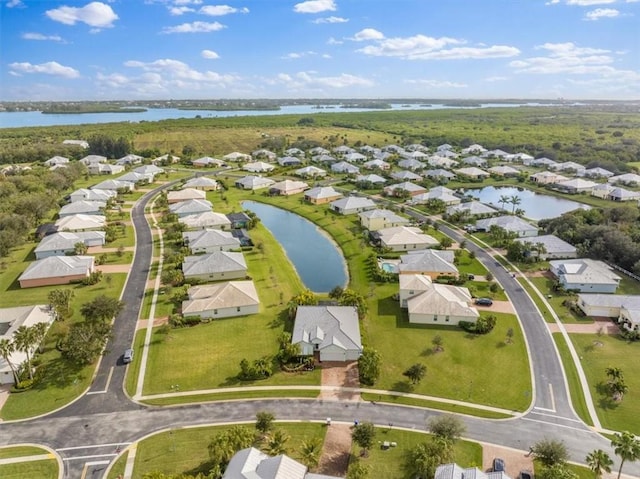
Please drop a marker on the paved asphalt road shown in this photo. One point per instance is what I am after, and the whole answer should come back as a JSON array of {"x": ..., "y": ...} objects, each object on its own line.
[{"x": 89, "y": 432}]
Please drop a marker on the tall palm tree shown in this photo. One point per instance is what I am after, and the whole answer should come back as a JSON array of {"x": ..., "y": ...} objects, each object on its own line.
[
  {"x": 310, "y": 452},
  {"x": 6, "y": 349},
  {"x": 504, "y": 199},
  {"x": 515, "y": 200},
  {"x": 627, "y": 447},
  {"x": 614, "y": 374},
  {"x": 276, "y": 442},
  {"x": 25, "y": 339},
  {"x": 599, "y": 462}
]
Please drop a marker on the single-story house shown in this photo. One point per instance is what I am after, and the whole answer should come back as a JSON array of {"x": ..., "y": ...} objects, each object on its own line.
[
  {"x": 377, "y": 164},
  {"x": 351, "y": 205},
  {"x": 620, "y": 194},
  {"x": 321, "y": 195},
  {"x": 569, "y": 166},
  {"x": 251, "y": 182},
  {"x": 331, "y": 332},
  {"x": 596, "y": 172},
  {"x": 56, "y": 160},
  {"x": 497, "y": 153},
  {"x": 325, "y": 159},
  {"x": 429, "y": 262},
  {"x": 289, "y": 161},
  {"x": 433, "y": 303},
  {"x": 440, "y": 193},
  {"x": 602, "y": 190},
  {"x": 10, "y": 320},
  {"x": 81, "y": 223},
  {"x": 164, "y": 159},
  {"x": 288, "y": 187},
  {"x": 547, "y": 178},
  {"x": 202, "y": 183},
  {"x": 404, "y": 238},
  {"x": 318, "y": 150},
  {"x": 471, "y": 208},
  {"x": 104, "y": 169},
  {"x": 264, "y": 153},
  {"x": 190, "y": 207},
  {"x": 185, "y": 194},
  {"x": 625, "y": 308},
  {"x": 92, "y": 159},
  {"x": 438, "y": 161},
  {"x": 585, "y": 275},
  {"x": 208, "y": 219},
  {"x": 237, "y": 156},
  {"x": 129, "y": 159},
  {"x": 135, "y": 178},
  {"x": 378, "y": 219},
  {"x": 210, "y": 241},
  {"x": 474, "y": 149},
  {"x": 512, "y": 224},
  {"x": 114, "y": 185},
  {"x": 294, "y": 152},
  {"x": 311, "y": 172},
  {"x": 54, "y": 270},
  {"x": 405, "y": 175},
  {"x": 400, "y": 189},
  {"x": 625, "y": 179},
  {"x": 453, "y": 471},
  {"x": 222, "y": 300},
  {"x": 84, "y": 194},
  {"x": 63, "y": 243},
  {"x": 343, "y": 150},
  {"x": 472, "y": 172},
  {"x": 354, "y": 157},
  {"x": 82, "y": 208},
  {"x": 503, "y": 171},
  {"x": 216, "y": 266},
  {"x": 258, "y": 167},
  {"x": 554, "y": 247},
  {"x": 474, "y": 161},
  {"x": 576, "y": 185},
  {"x": 371, "y": 179},
  {"x": 239, "y": 220},
  {"x": 207, "y": 161},
  {"x": 439, "y": 174},
  {"x": 412, "y": 164},
  {"x": 345, "y": 167}
]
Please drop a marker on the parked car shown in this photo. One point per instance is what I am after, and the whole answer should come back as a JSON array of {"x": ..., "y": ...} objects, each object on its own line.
[
  {"x": 526, "y": 475},
  {"x": 127, "y": 357},
  {"x": 498, "y": 464},
  {"x": 483, "y": 301}
]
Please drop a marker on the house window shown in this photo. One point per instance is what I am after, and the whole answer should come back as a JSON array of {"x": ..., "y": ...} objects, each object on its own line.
[
  {"x": 435, "y": 318},
  {"x": 215, "y": 311},
  {"x": 446, "y": 319},
  {"x": 238, "y": 309}
]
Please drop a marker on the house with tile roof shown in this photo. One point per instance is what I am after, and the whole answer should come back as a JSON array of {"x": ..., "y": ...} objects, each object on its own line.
[
  {"x": 378, "y": 219},
  {"x": 64, "y": 242},
  {"x": 322, "y": 195},
  {"x": 351, "y": 205},
  {"x": 216, "y": 266},
  {"x": 209, "y": 241},
  {"x": 429, "y": 262},
  {"x": 54, "y": 270},
  {"x": 208, "y": 219},
  {"x": 222, "y": 300},
  {"x": 585, "y": 275}
]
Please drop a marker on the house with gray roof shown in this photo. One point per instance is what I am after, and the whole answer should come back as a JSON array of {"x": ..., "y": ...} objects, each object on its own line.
[
  {"x": 471, "y": 208},
  {"x": 439, "y": 173},
  {"x": 222, "y": 300},
  {"x": 547, "y": 177},
  {"x": 351, "y": 205},
  {"x": 251, "y": 182},
  {"x": 512, "y": 224},
  {"x": 343, "y": 150},
  {"x": 56, "y": 160},
  {"x": 497, "y": 153},
  {"x": 129, "y": 159},
  {"x": 237, "y": 156},
  {"x": 104, "y": 169},
  {"x": 407, "y": 187},
  {"x": 331, "y": 332},
  {"x": 595, "y": 173},
  {"x": 92, "y": 159},
  {"x": 404, "y": 175},
  {"x": 543, "y": 162},
  {"x": 376, "y": 165},
  {"x": 324, "y": 159},
  {"x": 585, "y": 275},
  {"x": 207, "y": 161},
  {"x": 216, "y": 266},
  {"x": 378, "y": 219},
  {"x": 83, "y": 208},
  {"x": 288, "y": 187},
  {"x": 474, "y": 161},
  {"x": 185, "y": 194},
  {"x": 553, "y": 247},
  {"x": 321, "y": 195},
  {"x": 150, "y": 171},
  {"x": 630, "y": 179},
  {"x": 439, "y": 161},
  {"x": 624, "y": 308},
  {"x": 133, "y": 177},
  {"x": 294, "y": 152},
  {"x": 503, "y": 170},
  {"x": 64, "y": 242},
  {"x": 208, "y": 219},
  {"x": 429, "y": 262},
  {"x": 264, "y": 153},
  {"x": 620, "y": 194},
  {"x": 311, "y": 172},
  {"x": 576, "y": 185},
  {"x": 472, "y": 172},
  {"x": 440, "y": 193},
  {"x": 453, "y": 471},
  {"x": 569, "y": 166},
  {"x": 372, "y": 179},
  {"x": 404, "y": 238},
  {"x": 289, "y": 161},
  {"x": 54, "y": 270},
  {"x": 318, "y": 150},
  {"x": 345, "y": 167},
  {"x": 209, "y": 241},
  {"x": 354, "y": 157},
  {"x": 190, "y": 207},
  {"x": 258, "y": 167},
  {"x": 84, "y": 194},
  {"x": 81, "y": 222},
  {"x": 474, "y": 149},
  {"x": 412, "y": 164},
  {"x": 114, "y": 185},
  {"x": 203, "y": 183}
]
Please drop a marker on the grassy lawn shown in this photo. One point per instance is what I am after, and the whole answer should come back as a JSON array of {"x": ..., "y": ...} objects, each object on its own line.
[
  {"x": 577, "y": 395},
  {"x": 480, "y": 289},
  {"x": 20, "y": 451},
  {"x": 45, "y": 469},
  {"x": 124, "y": 237},
  {"x": 223, "y": 396},
  {"x": 126, "y": 257},
  {"x": 469, "y": 265},
  {"x": 566, "y": 315},
  {"x": 598, "y": 353},
  {"x": 134, "y": 366}
]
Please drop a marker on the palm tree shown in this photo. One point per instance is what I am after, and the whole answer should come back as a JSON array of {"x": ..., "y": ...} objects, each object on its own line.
[
  {"x": 613, "y": 373},
  {"x": 504, "y": 199},
  {"x": 310, "y": 452},
  {"x": 627, "y": 446},
  {"x": 515, "y": 200},
  {"x": 6, "y": 349},
  {"x": 599, "y": 462},
  {"x": 618, "y": 389},
  {"x": 276, "y": 442},
  {"x": 24, "y": 339}
]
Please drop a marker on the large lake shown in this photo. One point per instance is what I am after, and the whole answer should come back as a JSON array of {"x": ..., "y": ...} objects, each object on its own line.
[
  {"x": 317, "y": 259},
  {"x": 36, "y": 118},
  {"x": 536, "y": 206}
]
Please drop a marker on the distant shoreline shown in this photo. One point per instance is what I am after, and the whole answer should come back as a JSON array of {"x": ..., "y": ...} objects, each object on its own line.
[{"x": 100, "y": 110}]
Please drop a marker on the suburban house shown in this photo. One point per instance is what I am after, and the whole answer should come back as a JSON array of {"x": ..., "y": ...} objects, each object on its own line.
[
  {"x": 407, "y": 188},
  {"x": 325, "y": 159},
  {"x": 372, "y": 179},
  {"x": 354, "y": 157},
  {"x": 318, "y": 150},
  {"x": 63, "y": 243},
  {"x": 81, "y": 223},
  {"x": 626, "y": 179},
  {"x": 512, "y": 224},
  {"x": 473, "y": 173},
  {"x": 585, "y": 275},
  {"x": 403, "y": 238},
  {"x": 351, "y": 205},
  {"x": 288, "y": 187},
  {"x": 405, "y": 175},
  {"x": 190, "y": 207},
  {"x": 92, "y": 159},
  {"x": 331, "y": 332},
  {"x": 474, "y": 149},
  {"x": 547, "y": 178},
  {"x": 251, "y": 463},
  {"x": 433, "y": 303},
  {"x": 185, "y": 194},
  {"x": 438, "y": 161},
  {"x": 258, "y": 167},
  {"x": 164, "y": 159},
  {"x": 129, "y": 159},
  {"x": 294, "y": 152},
  {"x": 217, "y": 266},
  {"x": 210, "y": 241},
  {"x": 209, "y": 219},
  {"x": 54, "y": 270},
  {"x": 289, "y": 161},
  {"x": 82, "y": 208},
  {"x": 429, "y": 262},
  {"x": 553, "y": 247},
  {"x": 251, "y": 182},
  {"x": 202, "y": 183},
  {"x": 114, "y": 185},
  {"x": 264, "y": 153},
  {"x": 543, "y": 162},
  {"x": 620, "y": 194},
  {"x": 207, "y": 161},
  {"x": 497, "y": 153},
  {"x": 150, "y": 171},
  {"x": 439, "y": 174},
  {"x": 569, "y": 166},
  {"x": 84, "y": 194},
  {"x": 343, "y": 150},
  {"x": 474, "y": 161},
  {"x": 135, "y": 178},
  {"x": 602, "y": 190},
  {"x": 503, "y": 171},
  {"x": 453, "y": 471},
  {"x": 378, "y": 219},
  {"x": 576, "y": 185},
  {"x": 471, "y": 208},
  {"x": 81, "y": 143},
  {"x": 56, "y": 160},
  {"x": 377, "y": 164},
  {"x": 239, "y": 220},
  {"x": 10, "y": 320},
  {"x": 625, "y": 309},
  {"x": 222, "y": 300},
  {"x": 104, "y": 169},
  {"x": 321, "y": 195},
  {"x": 237, "y": 156},
  {"x": 311, "y": 172},
  {"x": 345, "y": 167},
  {"x": 440, "y": 193},
  {"x": 595, "y": 173},
  {"x": 411, "y": 164}
]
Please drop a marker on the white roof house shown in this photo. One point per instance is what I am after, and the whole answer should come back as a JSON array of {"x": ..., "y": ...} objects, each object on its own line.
[
  {"x": 210, "y": 240},
  {"x": 10, "y": 320},
  {"x": 208, "y": 219},
  {"x": 345, "y": 167},
  {"x": 378, "y": 219},
  {"x": 400, "y": 188},
  {"x": 354, "y": 157},
  {"x": 439, "y": 161},
  {"x": 474, "y": 149},
  {"x": 440, "y": 193},
  {"x": 576, "y": 185},
  {"x": 134, "y": 177},
  {"x": 412, "y": 164},
  {"x": 471, "y": 208},
  {"x": 625, "y": 308},
  {"x": 549, "y": 163},
  {"x": 324, "y": 158},
  {"x": 405, "y": 238},
  {"x": 429, "y": 262},
  {"x": 373, "y": 179},
  {"x": 310, "y": 172},
  {"x": 251, "y": 182},
  {"x": 129, "y": 159},
  {"x": 114, "y": 185},
  {"x": 104, "y": 169},
  {"x": 56, "y": 160},
  {"x": 54, "y": 270},
  {"x": 620, "y": 194},
  {"x": 150, "y": 171},
  {"x": 207, "y": 161},
  {"x": 166, "y": 158},
  {"x": 216, "y": 266},
  {"x": 321, "y": 194},
  {"x": 331, "y": 331},
  {"x": 474, "y": 161},
  {"x": 80, "y": 143},
  {"x": 554, "y": 247},
  {"x": 258, "y": 167},
  {"x": 237, "y": 156},
  {"x": 404, "y": 175},
  {"x": 512, "y": 224},
  {"x": 352, "y": 205},
  {"x": 82, "y": 208},
  {"x": 90, "y": 159},
  {"x": 294, "y": 152},
  {"x": 201, "y": 183},
  {"x": 376, "y": 164},
  {"x": 595, "y": 173},
  {"x": 222, "y": 300},
  {"x": 567, "y": 166},
  {"x": 626, "y": 179},
  {"x": 264, "y": 153},
  {"x": 185, "y": 194},
  {"x": 288, "y": 187},
  {"x": 585, "y": 275},
  {"x": 63, "y": 243},
  {"x": 453, "y": 471},
  {"x": 439, "y": 173},
  {"x": 81, "y": 222},
  {"x": 503, "y": 170},
  {"x": 190, "y": 207},
  {"x": 318, "y": 150},
  {"x": 472, "y": 172}
]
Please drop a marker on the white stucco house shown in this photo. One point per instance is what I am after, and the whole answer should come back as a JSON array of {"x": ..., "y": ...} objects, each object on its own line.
[
  {"x": 405, "y": 238},
  {"x": 63, "y": 243},
  {"x": 554, "y": 247},
  {"x": 210, "y": 241},
  {"x": 378, "y": 219},
  {"x": 429, "y": 262},
  {"x": 351, "y": 205},
  {"x": 512, "y": 224},
  {"x": 585, "y": 275},
  {"x": 216, "y": 266},
  {"x": 222, "y": 300}
]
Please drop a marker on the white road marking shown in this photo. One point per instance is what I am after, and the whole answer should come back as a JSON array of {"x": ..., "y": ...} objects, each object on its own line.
[
  {"x": 553, "y": 399},
  {"x": 556, "y": 416},
  {"x": 107, "y": 385},
  {"x": 555, "y": 424},
  {"x": 93, "y": 446},
  {"x": 87, "y": 457}
]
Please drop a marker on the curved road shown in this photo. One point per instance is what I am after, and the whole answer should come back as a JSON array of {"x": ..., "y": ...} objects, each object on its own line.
[{"x": 90, "y": 432}]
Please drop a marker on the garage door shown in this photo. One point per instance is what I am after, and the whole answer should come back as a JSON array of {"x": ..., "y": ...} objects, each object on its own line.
[{"x": 332, "y": 356}]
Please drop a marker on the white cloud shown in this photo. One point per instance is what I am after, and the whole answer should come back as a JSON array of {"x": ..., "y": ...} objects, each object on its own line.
[
  {"x": 588, "y": 3},
  {"x": 566, "y": 58},
  {"x": 187, "y": 2},
  {"x": 14, "y": 3},
  {"x": 209, "y": 54},
  {"x": 176, "y": 11},
  {"x": 367, "y": 34},
  {"x": 599, "y": 13},
  {"x": 194, "y": 27},
  {"x": 40, "y": 36},
  {"x": 333, "y": 41},
  {"x": 309, "y": 80},
  {"x": 221, "y": 10},
  {"x": 437, "y": 83},
  {"x": 48, "y": 68},
  {"x": 94, "y": 14},
  {"x": 495, "y": 79},
  {"x": 331, "y": 20},
  {"x": 315, "y": 6},
  {"x": 168, "y": 73},
  {"x": 296, "y": 55}
]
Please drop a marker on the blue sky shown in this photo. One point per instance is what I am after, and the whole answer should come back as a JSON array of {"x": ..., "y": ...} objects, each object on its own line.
[{"x": 160, "y": 49}]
